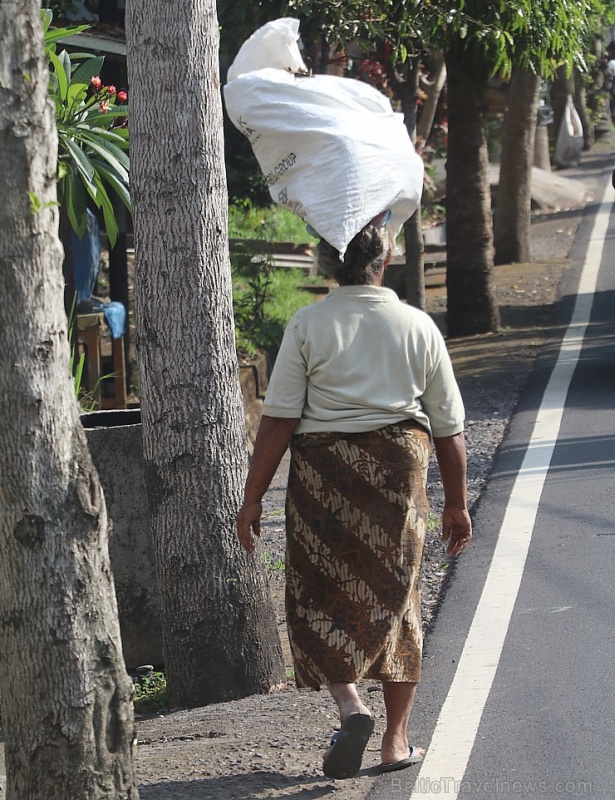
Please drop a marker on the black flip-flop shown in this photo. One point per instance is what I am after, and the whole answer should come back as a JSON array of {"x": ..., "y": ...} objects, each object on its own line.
[
  {"x": 413, "y": 758},
  {"x": 343, "y": 759}
]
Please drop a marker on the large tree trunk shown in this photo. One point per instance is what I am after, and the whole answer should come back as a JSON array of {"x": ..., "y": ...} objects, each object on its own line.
[
  {"x": 219, "y": 631},
  {"x": 472, "y": 306},
  {"x": 514, "y": 198},
  {"x": 66, "y": 697}
]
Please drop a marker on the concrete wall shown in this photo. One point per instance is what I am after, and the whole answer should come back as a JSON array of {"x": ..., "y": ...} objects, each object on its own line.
[
  {"x": 115, "y": 441},
  {"x": 117, "y": 451}
]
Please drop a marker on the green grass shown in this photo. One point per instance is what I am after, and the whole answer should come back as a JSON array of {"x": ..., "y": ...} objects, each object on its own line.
[
  {"x": 264, "y": 302},
  {"x": 433, "y": 521},
  {"x": 273, "y": 565},
  {"x": 151, "y": 692},
  {"x": 265, "y": 297},
  {"x": 273, "y": 223}
]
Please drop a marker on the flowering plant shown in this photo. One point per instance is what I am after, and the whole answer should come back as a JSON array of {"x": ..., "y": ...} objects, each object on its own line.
[{"x": 92, "y": 132}]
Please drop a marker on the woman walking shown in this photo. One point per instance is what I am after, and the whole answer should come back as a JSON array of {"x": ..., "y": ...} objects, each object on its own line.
[{"x": 361, "y": 386}]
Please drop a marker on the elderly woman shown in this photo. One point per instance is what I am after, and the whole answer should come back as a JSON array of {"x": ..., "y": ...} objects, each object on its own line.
[{"x": 361, "y": 385}]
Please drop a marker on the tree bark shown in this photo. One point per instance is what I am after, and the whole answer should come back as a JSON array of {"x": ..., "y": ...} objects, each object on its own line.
[
  {"x": 66, "y": 697},
  {"x": 434, "y": 90},
  {"x": 472, "y": 306},
  {"x": 119, "y": 289},
  {"x": 219, "y": 631},
  {"x": 412, "y": 284},
  {"x": 415, "y": 261},
  {"x": 580, "y": 103},
  {"x": 514, "y": 198}
]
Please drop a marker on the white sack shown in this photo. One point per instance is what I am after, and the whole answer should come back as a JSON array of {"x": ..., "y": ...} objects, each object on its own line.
[
  {"x": 274, "y": 45},
  {"x": 332, "y": 149},
  {"x": 569, "y": 144}
]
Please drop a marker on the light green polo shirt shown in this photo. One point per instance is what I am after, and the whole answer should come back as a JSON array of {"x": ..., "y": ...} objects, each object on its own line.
[{"x": 360, "y": 360}]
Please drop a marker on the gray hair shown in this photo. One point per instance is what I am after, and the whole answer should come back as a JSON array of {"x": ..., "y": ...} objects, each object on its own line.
[{"x": 362, "y": 260}]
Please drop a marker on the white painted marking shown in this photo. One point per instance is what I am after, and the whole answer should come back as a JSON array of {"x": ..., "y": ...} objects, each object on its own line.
[
  {"x": 2, "y": 768},
  {"x": 445, "y": 763}
]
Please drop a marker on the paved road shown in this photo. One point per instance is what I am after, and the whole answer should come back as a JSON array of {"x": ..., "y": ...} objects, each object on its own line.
[{"x": 516, "y": 699}]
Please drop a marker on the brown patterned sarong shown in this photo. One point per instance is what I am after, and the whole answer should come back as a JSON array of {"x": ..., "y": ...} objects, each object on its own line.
[{"x": 356, "y": 513}]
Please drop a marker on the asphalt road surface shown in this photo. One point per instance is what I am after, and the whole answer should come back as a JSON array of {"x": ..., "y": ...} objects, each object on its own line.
[{"x": 517, "y": 694}]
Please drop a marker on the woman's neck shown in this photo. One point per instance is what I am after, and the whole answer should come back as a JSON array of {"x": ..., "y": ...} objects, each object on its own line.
[{"x": 376, "y": 281}]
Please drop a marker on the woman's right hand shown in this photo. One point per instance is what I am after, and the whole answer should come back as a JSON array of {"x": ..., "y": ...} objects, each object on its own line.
[
  {"x": 456, "y": 529},
  {"x": 249, "y": 524}
]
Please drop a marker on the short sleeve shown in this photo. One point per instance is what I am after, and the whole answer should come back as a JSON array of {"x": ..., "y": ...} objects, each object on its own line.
[
  {"x": 286, "y": 393},
  {"x": 441, "y": 399}
]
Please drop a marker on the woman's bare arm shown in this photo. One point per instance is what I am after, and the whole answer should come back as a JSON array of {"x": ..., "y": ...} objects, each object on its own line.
[
  {"x": 456, "y": 523},
  {"x": 274, "y": 435}
]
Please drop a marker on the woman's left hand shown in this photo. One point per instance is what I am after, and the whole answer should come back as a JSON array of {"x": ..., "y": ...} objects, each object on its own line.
[{"x": 249, "y": 524}]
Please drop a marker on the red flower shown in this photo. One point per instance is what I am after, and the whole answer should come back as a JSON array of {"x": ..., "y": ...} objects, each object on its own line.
[
  {"x": 122, "y": 96},
  {"x": 111, "y": 89},
  {"x": 104, "y": 107},
  {"x": 96, "y": 82}
]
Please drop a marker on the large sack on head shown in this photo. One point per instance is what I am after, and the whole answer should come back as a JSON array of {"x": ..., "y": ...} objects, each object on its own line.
[{"x": 332, "y": 149}]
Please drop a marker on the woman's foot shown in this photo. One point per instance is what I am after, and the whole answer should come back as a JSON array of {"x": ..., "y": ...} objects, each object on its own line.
[
  {"x": 415, "y": 755},
  {"x": 343, "y": 758},
  {"x": 348, "y": 700},
  {"x": 395, "y": 749}
]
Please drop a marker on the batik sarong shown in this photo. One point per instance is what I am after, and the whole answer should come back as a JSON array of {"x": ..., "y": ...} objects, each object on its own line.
[{"x": 356, "y": 513}]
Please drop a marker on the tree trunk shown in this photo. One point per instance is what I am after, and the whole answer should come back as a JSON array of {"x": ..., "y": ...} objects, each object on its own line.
[
  {"x": 219, "y": 630},
  {"x": 472, "y": 306},
  {"x": 514, "y": 198},
  {"x": 412, "y": 284},
  {"x": 119, "y": 289},
  {"x": 433, "y": 91},
  {"x": 580, "y": 103},
  {"x": 66, "y": 697},
  {"x": 415, "y": 261}
]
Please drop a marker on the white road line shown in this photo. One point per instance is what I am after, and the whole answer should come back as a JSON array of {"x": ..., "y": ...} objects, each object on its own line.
[{"x": 445, "y": 763}]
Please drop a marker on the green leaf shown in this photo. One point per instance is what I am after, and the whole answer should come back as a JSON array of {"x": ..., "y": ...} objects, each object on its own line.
[
  {"x": 108, "y": 212},
  {"x": 79, "y": 158},
  {"x": 65, "y": 59},
  {"x": 35, "y": 202},
  {"x": 87, "y": 70},
  {"x": 55, "y": 35},
  {"x": 60, "y": 75},
  {"x": 106, "y": 152},
  {"x": 76, "y": 93},
  {"x": 112, "y": 136},
  {"x": 96, "y": 117},
  {"x": 46, "y": 17},
  {"x": 75, "y": 201},
  {"x": 116, "y": 184}
]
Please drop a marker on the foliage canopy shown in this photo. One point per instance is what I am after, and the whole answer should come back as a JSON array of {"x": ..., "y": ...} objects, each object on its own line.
[{"x": 538, "y": 35}]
